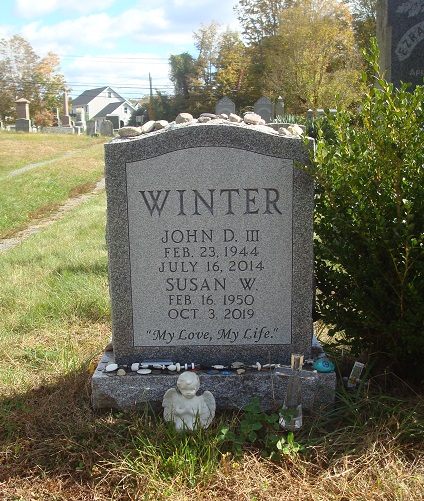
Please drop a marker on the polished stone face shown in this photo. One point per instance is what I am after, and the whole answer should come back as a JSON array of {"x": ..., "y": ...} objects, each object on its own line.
[
  {"x": 406, "y": 20},
  {"x": 210, "y": 233},
  {"x": 210, "y": 245}
]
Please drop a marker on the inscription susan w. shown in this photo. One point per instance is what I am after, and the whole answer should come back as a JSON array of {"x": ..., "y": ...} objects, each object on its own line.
[{"x": 228, "y": 201}]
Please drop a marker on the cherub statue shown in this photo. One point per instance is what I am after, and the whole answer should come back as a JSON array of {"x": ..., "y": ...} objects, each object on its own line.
[{"x": 186, "y": 409}]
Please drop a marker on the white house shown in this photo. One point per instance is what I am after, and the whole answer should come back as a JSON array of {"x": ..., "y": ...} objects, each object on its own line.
[{"x": 102, "y": 102}]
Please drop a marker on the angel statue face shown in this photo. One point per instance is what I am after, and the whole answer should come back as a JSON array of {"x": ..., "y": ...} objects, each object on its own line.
[{"x": 188, "y": 384}]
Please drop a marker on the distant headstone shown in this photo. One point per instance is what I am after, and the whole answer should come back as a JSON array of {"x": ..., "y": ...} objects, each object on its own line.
[
  {"x": 106, "y": 128},
  {"x": 225, "y": 106},
  {"x": 115, "y": 121},
  {"x": 23, "y": 122},
  {"x": 56, "y": 119},
  {"x": 91, "y": 127},
  {"x": 80, "y": 118},
  {"x": 209, "y": 235},
  {"x": 279, "y": 107},
  {"x": 265, "y": 108},
  {"x": 66, "y": 119},
  {"x": 400, "y": 32}
]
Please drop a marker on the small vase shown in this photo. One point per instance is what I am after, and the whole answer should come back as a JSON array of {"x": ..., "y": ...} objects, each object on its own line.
[{"x": 291, "y": 411}]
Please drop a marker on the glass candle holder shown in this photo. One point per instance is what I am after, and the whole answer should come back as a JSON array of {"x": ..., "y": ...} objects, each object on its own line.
[{"x": 291, "y": 411}]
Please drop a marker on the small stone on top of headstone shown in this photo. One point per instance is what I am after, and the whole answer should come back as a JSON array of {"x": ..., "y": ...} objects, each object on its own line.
[
  {"x": 184, "y": 118},
  {"x": 129, "y": 131},
  {"x": 148, "y": 127},
  {"x": 235, "y": 118},
  {"x": 203, "y": 119},
  {"x": 252, "y": 118},
  {"x": 161, "y": 124}
]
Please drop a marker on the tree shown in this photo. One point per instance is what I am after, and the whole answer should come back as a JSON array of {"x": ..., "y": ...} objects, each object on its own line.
[
  {"x": 230, "y": 65},
  {"x": 24, "y": 74},
  {"x": 364, "y": 21},
  {"x": 260, "y": 18},
  {"x": 183, "y": 73},
  {"x": 312, "y": 57},
  {"x": 206, "y": 41},
  {"x": 369, "y": 224}
]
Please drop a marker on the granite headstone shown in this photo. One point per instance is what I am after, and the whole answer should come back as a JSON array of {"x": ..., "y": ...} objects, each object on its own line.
[
  {"x": 23, "y": 122},
  {"x": 225, "y": 106},
  {"x": 106, "y": 128},
  {"x": 400, "y": 32},
  {"x": 264, "y": 107},
  {"x": 209, "y": 234},
  {"x": 91, "y": 127}
]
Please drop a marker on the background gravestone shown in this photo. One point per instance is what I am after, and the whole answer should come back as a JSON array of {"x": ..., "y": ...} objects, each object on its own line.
[
  {"x": 264, "y": 107},
  {"x": 106, "y": 128},
  {"x": 23, "y": 122},
  {"x": 66, "y": 119},
  {"x": 400, "y": 32},
  {"x": 225, "y": 106},
  {"x": 210, "y": 259},
  {"x": 279, "y": 107},
  {"x": 91, "y": 127}
]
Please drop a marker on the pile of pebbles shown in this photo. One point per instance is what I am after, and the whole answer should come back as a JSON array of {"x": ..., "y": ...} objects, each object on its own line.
[
  {"x": 156, "y": 368},
  {"x": 249, "y": 118}
]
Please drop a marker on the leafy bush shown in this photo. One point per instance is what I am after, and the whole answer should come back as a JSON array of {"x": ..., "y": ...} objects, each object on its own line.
[
  {"x": 43, "y": 119},
  {"x": 369, "y": 224}
]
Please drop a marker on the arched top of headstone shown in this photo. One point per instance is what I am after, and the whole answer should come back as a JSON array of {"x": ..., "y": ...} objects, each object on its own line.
[
  {"x": 225, "y": 105},
  {"x": 265, "y": 108}
]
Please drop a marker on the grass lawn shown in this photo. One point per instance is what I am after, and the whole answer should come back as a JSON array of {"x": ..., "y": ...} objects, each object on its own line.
[
  {"x": 39, "y": 191},
  {"x": 54, "y": 323},
  {"x": 18, "y": 150}
]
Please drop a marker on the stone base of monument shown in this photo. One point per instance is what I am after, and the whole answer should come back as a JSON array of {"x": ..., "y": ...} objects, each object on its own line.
[
  {"x": 233, "y": 391},
  {"x": 58, "y": 130}
]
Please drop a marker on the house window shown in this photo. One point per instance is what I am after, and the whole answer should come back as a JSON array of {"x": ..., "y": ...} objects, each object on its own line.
[
  {"x": 125, "y": 109},
  {"x": 109, "y": 94}
]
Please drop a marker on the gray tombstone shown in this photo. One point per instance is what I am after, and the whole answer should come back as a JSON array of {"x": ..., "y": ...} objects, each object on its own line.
[
  {"x": 115, "y": 121},
  {"x": 209, "y": 236},
  {"x": 106, "y": 128},
  {"x": 23, "y": 122},
  {"x": 91, "y": 127},
  {"x": 279, "y": 108},
  {"x": 400, "y": 32},
  {"x": 80, "y": 118},
  {"x": 225, "y": 106},
  {"x": 66, "y": 119},
  {"x": 264, "y": 107}
]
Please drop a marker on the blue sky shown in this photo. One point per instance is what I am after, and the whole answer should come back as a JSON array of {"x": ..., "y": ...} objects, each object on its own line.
[{"x": 113, "y": 42}]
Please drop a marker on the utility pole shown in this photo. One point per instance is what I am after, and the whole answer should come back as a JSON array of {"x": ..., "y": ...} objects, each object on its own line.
[{"x": 152, "y": 110}]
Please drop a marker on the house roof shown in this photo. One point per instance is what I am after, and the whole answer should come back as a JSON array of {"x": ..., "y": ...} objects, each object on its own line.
[
  {"x": 107, "y": 110},
  {"x": 88, "y": 95}
]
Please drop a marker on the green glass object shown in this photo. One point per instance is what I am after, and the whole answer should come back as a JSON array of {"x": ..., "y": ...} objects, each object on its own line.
[{"x": 291, "y": 412}]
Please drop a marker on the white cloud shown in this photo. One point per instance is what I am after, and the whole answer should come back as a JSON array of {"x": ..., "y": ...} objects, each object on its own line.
[
  {"x": 30, "y": 9},
  {"x": 95, "y": 31}
]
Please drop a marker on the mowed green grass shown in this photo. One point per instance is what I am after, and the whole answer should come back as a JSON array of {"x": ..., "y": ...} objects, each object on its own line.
[
  {"x": 54, "y": 303},
  {"x": 37, "y": 192},
  {"x": 18, "y": 149}
]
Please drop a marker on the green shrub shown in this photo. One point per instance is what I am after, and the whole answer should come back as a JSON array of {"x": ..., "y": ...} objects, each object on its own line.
[{"x": 369, "y": 224}]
